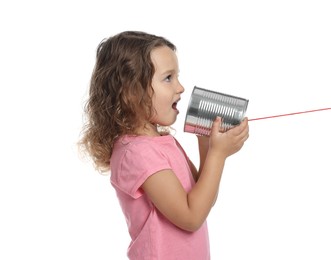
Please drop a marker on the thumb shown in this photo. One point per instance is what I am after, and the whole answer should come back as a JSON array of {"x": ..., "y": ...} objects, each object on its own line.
[{"x": 215, "y": 128}]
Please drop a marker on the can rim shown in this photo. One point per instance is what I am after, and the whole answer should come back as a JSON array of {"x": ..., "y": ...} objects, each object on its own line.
[{"x": 188, "y": 106}]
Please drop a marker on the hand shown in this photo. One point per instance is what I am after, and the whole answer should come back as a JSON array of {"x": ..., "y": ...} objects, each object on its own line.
[{"x": 229, "y": 142}]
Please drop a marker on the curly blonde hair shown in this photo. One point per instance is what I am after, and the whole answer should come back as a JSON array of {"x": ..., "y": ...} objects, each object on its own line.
[{"x": 120, "y": 92}]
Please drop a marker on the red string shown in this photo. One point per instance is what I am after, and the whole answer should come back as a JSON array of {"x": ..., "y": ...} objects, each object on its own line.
[{"x": 290, "y": 114}]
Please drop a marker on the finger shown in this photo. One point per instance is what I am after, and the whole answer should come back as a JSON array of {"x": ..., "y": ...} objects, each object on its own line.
[
  {"x": 216, "y": 125},
  {"x": 238, "y": 129},
  {"x": 245, "y": 130},
  {"x": 243, "y": 136}
]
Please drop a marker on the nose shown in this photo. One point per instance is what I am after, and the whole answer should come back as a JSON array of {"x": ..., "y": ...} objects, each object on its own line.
[{"x": 180, "y": 88}]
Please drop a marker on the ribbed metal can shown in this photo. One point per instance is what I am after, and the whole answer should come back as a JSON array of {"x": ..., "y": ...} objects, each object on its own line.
[{"x": 205, "y": 105}]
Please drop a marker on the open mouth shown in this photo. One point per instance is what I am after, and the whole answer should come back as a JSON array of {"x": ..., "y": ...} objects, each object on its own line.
[{"x": 174, "y": 105}]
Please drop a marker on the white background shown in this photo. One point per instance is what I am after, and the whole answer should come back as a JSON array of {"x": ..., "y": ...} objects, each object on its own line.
[{"x": 274, "y": 201}]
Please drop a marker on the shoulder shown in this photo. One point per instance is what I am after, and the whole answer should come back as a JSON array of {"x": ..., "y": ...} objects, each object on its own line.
[
  {"x": 141, "y": 152},
  {"x": 134, "y": 159},
  {"x": 132, "y": 143}
]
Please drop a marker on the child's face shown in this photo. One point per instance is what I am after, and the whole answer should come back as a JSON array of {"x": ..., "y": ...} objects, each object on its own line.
[{"x": 166, "y": 86}]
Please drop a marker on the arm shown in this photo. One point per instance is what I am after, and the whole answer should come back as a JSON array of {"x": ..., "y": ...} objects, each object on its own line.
[
  {"x": 203, "y": 142},
  {"x": 189, "y": 210}
]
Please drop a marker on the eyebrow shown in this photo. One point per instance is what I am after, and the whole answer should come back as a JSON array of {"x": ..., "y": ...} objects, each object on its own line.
[{"x": 171, "y": 71}]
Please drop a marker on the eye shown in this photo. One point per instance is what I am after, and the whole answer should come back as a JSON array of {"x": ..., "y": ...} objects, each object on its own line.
[{"x": 168, "y": 78}]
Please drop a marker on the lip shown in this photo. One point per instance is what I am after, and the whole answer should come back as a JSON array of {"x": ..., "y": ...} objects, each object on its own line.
[{"x": 174, "y": 105}]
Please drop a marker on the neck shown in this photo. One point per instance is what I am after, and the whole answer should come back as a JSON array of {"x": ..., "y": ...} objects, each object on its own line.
[{"x": 149, "y": 129}]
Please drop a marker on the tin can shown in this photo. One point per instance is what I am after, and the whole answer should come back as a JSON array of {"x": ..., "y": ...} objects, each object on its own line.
[{"x": 205, "y": 105}]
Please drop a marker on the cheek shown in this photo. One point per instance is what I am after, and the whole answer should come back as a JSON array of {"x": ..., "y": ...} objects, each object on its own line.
[
  {"x": 165, "y": 105},
  {"x": 161, "y": 102}
]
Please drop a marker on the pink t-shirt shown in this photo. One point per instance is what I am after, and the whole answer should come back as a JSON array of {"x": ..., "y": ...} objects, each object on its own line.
[{"x": 134, "y": 159}]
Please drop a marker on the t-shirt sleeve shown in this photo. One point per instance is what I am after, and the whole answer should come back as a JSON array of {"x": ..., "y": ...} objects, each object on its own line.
[{"x": 138, "y": 163}]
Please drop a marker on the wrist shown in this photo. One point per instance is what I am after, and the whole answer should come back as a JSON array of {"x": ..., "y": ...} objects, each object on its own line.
[{"x": 217, "y": 154}]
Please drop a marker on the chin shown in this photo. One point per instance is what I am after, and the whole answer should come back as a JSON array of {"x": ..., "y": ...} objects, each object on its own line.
[{"x": 167, "y": 121}]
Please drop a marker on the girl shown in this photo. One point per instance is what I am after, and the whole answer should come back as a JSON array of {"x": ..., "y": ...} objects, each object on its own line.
[{"x": 134, "y": 91}]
